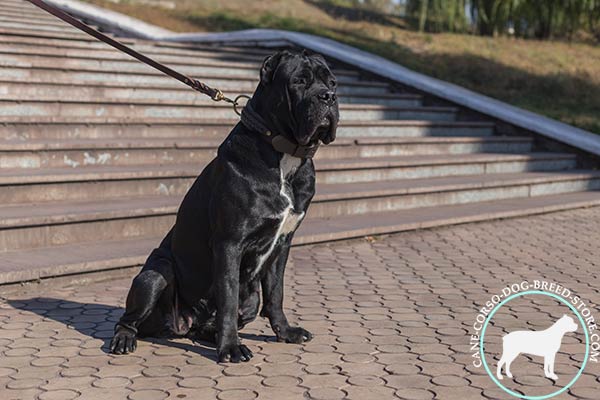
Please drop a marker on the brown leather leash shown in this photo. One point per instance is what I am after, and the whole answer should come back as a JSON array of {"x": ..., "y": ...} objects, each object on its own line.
[{"x": 195, "y": 84}]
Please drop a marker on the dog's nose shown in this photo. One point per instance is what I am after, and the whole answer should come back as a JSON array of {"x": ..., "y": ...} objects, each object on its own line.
[{"x": 328, "y": 97}]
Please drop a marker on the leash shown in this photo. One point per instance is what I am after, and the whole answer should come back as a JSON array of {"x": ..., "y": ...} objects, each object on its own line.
[
  {"x": 214, "y": 94},
  {"x": 249, "y": 117}
]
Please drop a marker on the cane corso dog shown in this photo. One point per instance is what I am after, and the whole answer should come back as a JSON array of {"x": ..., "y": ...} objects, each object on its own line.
[{"x": 232, "y": 235}]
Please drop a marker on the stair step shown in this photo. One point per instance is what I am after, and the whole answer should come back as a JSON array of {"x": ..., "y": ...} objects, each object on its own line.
[
  {"x": 354, "y": 226},
  {"x": 23, "y": 51},
  {"x": 9, "y": 12},
  {"x": 198, "y": 111},
  {"x": 153, "y": 79},
  {"x": 45, "y": 91},
  {"x": 66, "y": 222},
  {"x": 33, "y": 128},
  {"x": 32, "y": 264},
  {"x": 207, "y": 68},
  {"x": 10, "y": 17},
  {"x": 25, "y": 9},
  {"x": 412, "y": 167},
  {"x": 107, "y": 181},
  {"x": 82, "y": 152},
  {"x": 155, "y": 49},
  {"x": 65, "y": 30}
]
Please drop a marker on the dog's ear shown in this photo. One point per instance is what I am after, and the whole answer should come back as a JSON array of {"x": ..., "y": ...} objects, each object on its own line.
[{"x": 270, "y": 65}]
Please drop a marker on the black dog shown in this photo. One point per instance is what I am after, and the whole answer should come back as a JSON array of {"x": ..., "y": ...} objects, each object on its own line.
[{"x": 234, "y": 227}]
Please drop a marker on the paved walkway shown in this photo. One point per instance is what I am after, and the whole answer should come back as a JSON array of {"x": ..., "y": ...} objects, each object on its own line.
[{"x": 392, "y": 318}]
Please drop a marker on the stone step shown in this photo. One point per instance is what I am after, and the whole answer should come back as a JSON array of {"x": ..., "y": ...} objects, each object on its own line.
[
  {"x": 66, "y": 222},
  {"x": 412, "y": 167},
  {"x": 47, "y": 91},
  {"x": 61, "y": 29},
  {"x": 34, "y": 128},
  {"x": 21, "y": 5},
  {"x": 25, "y": 9},
  {"x": 123, "y": 110},
  {"x": 32, "y": 264},
  {"x": 153, "y": 79},
  {"x": 10, "y": 12},
  {"x": 207, "y": 67},
  {"x": 10, "y": 16},
  {"x": 25, "y": 185},
  {"x": 129, "y": 151},
  {"x": 62, "y": 41},
  {"x": 23, "y": 48}
]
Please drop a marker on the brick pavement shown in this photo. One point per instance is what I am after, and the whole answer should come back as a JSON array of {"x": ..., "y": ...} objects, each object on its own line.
[{"x": 391, "y": 319}]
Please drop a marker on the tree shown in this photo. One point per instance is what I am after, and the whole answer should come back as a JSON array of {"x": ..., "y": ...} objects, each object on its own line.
[{"x": 438, "y": 15}]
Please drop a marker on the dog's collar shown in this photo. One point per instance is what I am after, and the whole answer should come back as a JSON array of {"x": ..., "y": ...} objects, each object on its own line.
[{"x": 281, "y": 143}]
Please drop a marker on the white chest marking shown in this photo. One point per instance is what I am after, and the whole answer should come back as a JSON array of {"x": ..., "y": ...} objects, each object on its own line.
[{"x": 289, "y": 219}]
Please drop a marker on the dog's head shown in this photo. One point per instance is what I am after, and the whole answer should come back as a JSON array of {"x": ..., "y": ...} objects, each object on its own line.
[
  {"x": 297, "y": 96},
  {"x": 567, "y": 324}
]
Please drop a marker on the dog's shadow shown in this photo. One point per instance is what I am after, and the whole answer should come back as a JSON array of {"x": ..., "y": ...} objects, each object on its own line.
[{"x": 97, "y": 321}]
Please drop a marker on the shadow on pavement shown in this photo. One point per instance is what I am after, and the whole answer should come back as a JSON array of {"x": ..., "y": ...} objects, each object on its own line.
[{"x": 97, "y": 321}]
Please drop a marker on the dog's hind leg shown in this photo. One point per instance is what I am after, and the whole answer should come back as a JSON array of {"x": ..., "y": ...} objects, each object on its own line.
[
  {"x": 509, "y": 359},
  {"x": 142, "y": 299},
  {"x": 499, "y": 368}
]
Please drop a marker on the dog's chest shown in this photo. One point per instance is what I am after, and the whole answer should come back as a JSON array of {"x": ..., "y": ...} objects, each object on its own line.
[{"x": 288, "y": 217}]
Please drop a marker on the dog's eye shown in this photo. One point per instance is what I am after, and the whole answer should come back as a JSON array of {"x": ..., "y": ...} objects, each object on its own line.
[
  {"x": 333, "y": 83},
  {"x": 299, "y": 81}
]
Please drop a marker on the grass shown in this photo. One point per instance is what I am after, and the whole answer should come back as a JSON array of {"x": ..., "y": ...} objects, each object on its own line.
[{"x": 558, "y": 79}]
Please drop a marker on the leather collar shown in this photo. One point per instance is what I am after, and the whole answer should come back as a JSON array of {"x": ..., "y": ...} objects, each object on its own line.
[{"x": 280, "y": 143}]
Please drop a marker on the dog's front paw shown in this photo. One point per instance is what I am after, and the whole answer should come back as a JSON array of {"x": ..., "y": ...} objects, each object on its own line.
[
  {"x": 294, "y": 335},
  {"x": 234, "y": 353},
  {"x": 554, "y": 377},
  {"x": 123, "y": 342}
]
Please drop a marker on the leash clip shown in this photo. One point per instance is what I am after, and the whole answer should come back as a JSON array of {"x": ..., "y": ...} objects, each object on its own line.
[
  {"x": 236, "y": 103},
  {"x": 219, "y": 96}
]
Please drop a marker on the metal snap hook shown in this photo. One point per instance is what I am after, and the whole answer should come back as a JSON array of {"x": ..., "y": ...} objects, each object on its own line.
[{"x": 236, "y": 103}]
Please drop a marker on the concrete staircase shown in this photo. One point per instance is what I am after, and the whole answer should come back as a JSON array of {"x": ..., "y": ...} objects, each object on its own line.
[{"x": 97, "y": 150}]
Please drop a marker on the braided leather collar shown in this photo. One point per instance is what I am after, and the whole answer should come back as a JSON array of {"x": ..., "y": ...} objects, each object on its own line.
[{"x": 281, "y": 143}]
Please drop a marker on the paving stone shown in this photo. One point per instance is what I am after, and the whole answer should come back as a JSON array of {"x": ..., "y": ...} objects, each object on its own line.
[
  {"x": 78, "y": 371},
  {"x": 148, "y": 395},
  {"x": 326, "y": 393},
  {"x": 197, "y": 382},
  {"x": 237, "y": 394},
  {"x": 112, "y": 382},
  {"x": 241, "y": 369},
  {"x": 368, "y": 392},
  {"x": 281, "y": 381},
  {"x": 450, "y": 380},
  {"x": 59, "y": 395},
  {"x": 47, "y": 361},
  {"x": 365, "y": 380},
  {"x": 160, "y": 383},
  {"x": 414, "y": 394},
  {"x": 162, "y": 370},
  {"x": 25, "y": 383}
]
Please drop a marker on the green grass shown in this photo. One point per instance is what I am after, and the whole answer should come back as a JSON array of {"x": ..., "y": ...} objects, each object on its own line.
[{"x": 557, "y": 79}]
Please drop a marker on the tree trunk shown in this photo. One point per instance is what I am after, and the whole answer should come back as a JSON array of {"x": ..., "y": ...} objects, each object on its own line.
[{"x": 423, "y": 14}]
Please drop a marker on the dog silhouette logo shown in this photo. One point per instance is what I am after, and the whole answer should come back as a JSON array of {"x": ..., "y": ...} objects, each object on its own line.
[{"x": 544, "y": 343}]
